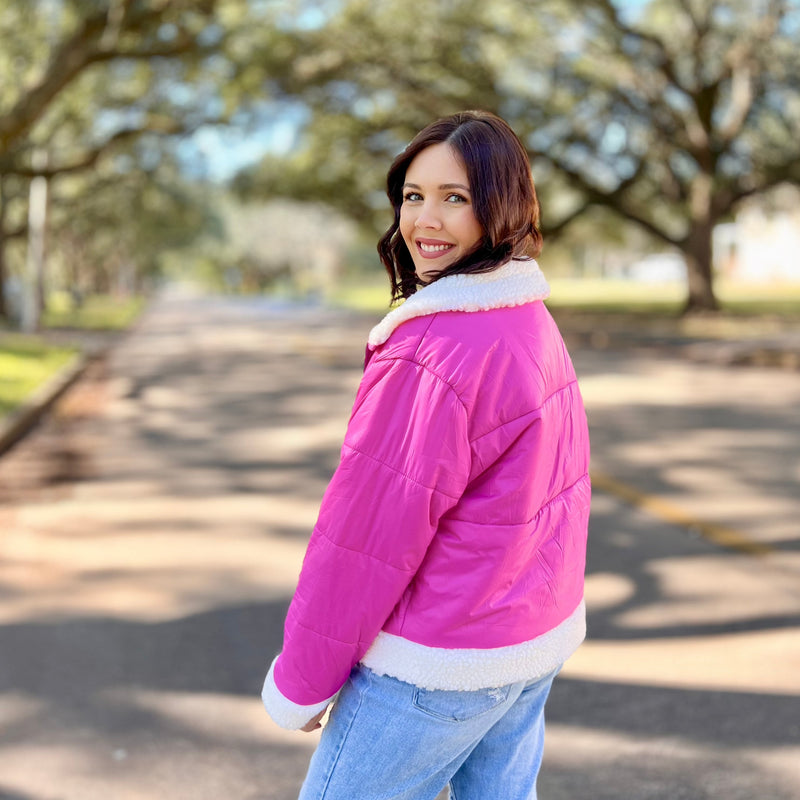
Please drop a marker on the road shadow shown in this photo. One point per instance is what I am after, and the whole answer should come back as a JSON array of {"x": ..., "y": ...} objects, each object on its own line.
[
  {"x": 724, "y": 440},
  {"x": 84, "y": 676}
]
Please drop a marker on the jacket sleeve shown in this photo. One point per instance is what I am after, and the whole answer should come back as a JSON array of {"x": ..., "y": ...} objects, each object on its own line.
[{"x": 405, "y": 462}]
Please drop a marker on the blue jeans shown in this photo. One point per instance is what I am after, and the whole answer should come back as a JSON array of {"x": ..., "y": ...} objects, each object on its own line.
[{"x": 389, "y": 740}]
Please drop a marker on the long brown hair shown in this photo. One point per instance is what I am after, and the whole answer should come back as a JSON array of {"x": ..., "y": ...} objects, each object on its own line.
[{"x": 503, "y": 197}]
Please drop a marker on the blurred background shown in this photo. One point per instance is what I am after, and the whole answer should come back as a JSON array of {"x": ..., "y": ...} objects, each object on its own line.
[
  {"x": 243, "y": 144},
  {"x": 190, "y": 197}
]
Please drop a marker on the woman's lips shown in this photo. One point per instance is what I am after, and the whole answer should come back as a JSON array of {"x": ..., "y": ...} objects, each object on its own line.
[{"x": 433, "y": 248}]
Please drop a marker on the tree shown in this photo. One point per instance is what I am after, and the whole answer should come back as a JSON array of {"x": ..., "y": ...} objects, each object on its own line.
[
  {"x": 90, "y": 34},
  {"x": 681, "y": 113},
  {"x": 91, "y": 77},
  {"x": 9, "y": 231},
  {"x": 113, "y": 227},
  {"x": 370, "y": 75},
  {"x": 669, "y": 117}
]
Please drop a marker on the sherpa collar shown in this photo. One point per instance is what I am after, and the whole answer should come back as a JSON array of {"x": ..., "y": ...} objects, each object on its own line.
[{"x": 517, "y": 282}]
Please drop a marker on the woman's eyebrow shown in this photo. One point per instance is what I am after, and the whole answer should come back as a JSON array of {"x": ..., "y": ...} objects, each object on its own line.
[{"x": 441, "y": 186}]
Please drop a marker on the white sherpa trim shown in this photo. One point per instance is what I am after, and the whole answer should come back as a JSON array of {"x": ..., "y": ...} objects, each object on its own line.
[
  {"x": 471, "y": 669},
  {"x": 515, "y": 283},
  {"x": 283, "y": 711}
]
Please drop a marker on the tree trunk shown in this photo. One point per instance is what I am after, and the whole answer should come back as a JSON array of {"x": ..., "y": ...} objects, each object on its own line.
[
  {"x": 33, "y": 294},
  {"x": 3, "y": 240},
  {"x": 3, "y": 304},
  {"x": 698, "y": 249},
  {"x": 698, "y": 254}
]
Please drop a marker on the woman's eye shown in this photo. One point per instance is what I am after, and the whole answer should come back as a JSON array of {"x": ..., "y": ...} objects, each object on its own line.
[
  {"x": 456, "y": 198},
  {"x": 412, "y": 197}
]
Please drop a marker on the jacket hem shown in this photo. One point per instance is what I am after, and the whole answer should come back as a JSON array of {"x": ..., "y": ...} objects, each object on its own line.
[
  {"x": 472, "y": 669},
  {"x": 284, "y": 712}
]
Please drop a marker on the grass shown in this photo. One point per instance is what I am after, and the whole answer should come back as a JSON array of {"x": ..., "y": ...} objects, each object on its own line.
[
  {"x": 615, "y": 296},
  {"x": 746, "y": 309},
  {"x": 628, "y": 297},
  {"x": 27, "y": 362},
  {"x": 97, "y": 312},
  {"x": 367, "y": 295}
]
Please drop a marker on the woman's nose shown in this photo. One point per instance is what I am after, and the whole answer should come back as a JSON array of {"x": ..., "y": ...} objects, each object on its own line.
[{"x": 427, "y": 218}]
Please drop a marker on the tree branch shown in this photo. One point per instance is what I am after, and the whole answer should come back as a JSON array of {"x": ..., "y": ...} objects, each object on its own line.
[
  {"x": 691, "y": 124},
  {"x": 700, "y": 25},
  {"x": 65, "y": 65},
  {"x": 160, "y": 125},
  {"x": 665, "y": 62},
  {"x": 788, "y": 172},
  {"x": 95, "y": 41},
  {"x": 555, "y": 230},
  {"x": 20, "y": 232},
  {"x": 614, "y": 199},
  {"x": 739, "y": 60}
]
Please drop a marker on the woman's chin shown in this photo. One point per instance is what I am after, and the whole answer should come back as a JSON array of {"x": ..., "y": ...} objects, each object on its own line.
[{"x": 428, "y": 274}]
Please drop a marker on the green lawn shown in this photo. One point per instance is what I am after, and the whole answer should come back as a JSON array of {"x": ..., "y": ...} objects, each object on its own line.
[
  {"x": 747, "y": 311},
  {"x": 618, "y": 296},
  {"x": 636, "y": 303},
  {"x": 97, "y": 312},
  {"x": 27, "y": 362}
]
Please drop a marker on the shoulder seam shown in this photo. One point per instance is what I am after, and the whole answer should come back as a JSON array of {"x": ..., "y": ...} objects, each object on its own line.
[
  {"x": 400, "y": 472},
  {"x": 413, "y": 360},
  {"x": 538, "y": 408}
]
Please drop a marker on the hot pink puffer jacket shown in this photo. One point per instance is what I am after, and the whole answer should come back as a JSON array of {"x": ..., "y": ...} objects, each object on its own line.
[{"x": 450, "y": 545}]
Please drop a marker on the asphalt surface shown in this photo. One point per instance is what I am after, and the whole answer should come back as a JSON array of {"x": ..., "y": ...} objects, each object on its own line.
[{"x": 151, "y": 531}]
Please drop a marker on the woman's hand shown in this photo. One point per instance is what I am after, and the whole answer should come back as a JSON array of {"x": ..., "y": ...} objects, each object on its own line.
[{"x": 314, "y": 723}]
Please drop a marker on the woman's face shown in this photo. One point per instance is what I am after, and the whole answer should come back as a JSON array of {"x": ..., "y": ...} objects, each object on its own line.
[{"x": 437, "y": 220}]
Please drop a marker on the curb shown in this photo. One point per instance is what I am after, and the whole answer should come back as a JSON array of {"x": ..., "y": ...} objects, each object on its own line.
[{"x": 20, "y": 421}]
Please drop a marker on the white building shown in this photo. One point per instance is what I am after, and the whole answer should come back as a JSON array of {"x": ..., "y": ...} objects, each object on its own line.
[{"x": 760, "y": 246}]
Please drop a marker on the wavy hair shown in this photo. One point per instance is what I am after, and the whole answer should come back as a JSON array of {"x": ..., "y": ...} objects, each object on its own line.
[{"x": 503, "y": 197}]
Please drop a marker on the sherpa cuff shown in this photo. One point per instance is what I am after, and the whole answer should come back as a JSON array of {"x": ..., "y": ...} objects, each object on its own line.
[{"x": 284, "y": 712}]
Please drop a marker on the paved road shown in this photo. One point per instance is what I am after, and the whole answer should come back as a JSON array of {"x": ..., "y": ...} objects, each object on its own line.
[{"x": 152, "y": 530}]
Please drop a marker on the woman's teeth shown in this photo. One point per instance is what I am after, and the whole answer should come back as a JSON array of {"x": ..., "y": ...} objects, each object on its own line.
[{"x": 434, "y": 248}]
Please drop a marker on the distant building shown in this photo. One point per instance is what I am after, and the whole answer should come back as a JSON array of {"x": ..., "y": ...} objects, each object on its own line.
[
  {"x": 759, "y": 246},
  {"x": 658, "y": 268}
]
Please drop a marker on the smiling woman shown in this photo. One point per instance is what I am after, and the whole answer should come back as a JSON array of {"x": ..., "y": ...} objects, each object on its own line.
[
  {"x": 437, "y": 219},
  {"x": 476, "y": 175},
  {"x": 442, "y": 588}
]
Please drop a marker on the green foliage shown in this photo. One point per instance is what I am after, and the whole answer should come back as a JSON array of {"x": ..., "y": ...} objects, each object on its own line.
[
  {"x": 373, "y": 75},
  {"x": 94, "y": 96},
  {"x": 113, "y": 228},
  {"x": 668, "y": 116}
]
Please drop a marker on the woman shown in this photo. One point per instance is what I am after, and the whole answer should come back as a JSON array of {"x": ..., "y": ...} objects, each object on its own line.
[{"x": 442, "y": 588}]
